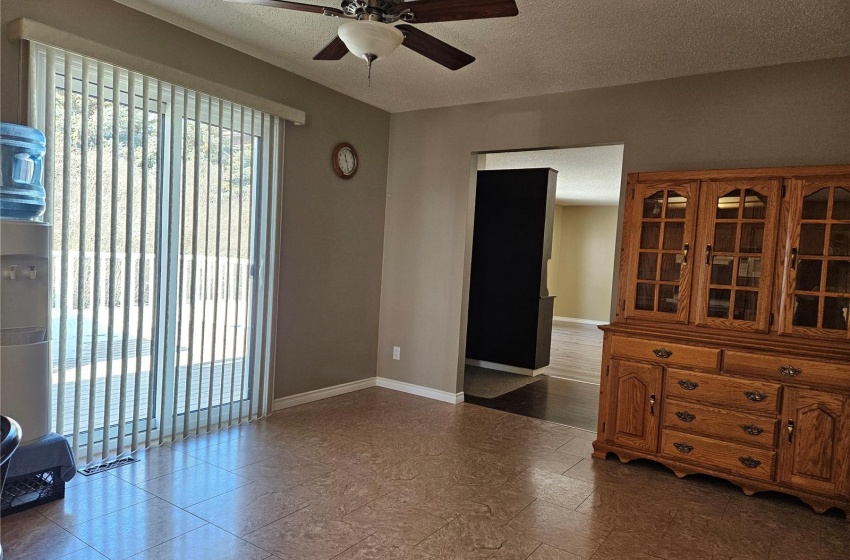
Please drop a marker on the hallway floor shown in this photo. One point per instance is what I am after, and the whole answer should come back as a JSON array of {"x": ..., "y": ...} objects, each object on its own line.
[
  {"x": 576, "y": 352},
  {"x": 378, "y": 474},
  {"x": 567, "y": 402},
  {"x": 568, "y": 391}
]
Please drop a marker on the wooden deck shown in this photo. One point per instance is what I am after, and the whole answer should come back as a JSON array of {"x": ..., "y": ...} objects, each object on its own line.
[
  {"x": 218, "y": 372},
  {"x": 214, "y": 361}
]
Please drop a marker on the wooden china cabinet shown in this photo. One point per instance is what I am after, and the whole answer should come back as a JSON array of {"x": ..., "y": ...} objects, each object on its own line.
[{"x": 730, "y": 352}]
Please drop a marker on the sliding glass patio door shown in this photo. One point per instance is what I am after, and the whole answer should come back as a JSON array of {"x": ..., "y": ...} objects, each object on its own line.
[{"x": 162, "y": 201}]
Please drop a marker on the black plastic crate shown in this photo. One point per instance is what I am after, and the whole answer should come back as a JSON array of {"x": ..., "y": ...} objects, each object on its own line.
[{"x": 31, "y": 490}]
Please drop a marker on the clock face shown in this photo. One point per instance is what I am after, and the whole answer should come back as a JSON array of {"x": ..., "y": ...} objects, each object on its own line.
[{"x": 347, "y": 161}]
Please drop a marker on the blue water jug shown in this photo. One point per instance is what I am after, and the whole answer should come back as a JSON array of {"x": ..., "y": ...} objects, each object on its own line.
[{"x": 21, "y": 171}]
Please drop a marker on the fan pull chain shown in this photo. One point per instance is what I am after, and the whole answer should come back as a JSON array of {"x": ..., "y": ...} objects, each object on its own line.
[{"x": 369, "y": 59}]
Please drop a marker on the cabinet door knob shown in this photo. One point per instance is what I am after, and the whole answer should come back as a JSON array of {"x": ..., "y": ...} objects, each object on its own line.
[
  {"x": 685, "y": 416},
  {"x": 749, "y": 462},
  {"x": 790, "y": 431},
  {"x": 683, "y": 447},
  {"x": 662, "y": 353},
  {"x": 755, "y": 396},
  {"x": 688, "y": 385},
  {"x": 794, "y": 258},
  {"x": 789, "y": 371},
  {"x": 707, "y": 255},
  {"x": 752, "y": 429},
  {"x": 652, "y": 404},
  {"x": 685, "y": 252}
]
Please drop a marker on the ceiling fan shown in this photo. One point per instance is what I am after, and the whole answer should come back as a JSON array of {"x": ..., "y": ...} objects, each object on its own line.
[{"x": 371, "y": 34}]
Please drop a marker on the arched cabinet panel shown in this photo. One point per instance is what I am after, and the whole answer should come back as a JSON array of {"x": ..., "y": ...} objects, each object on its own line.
[
  {"x": 814, "y": 450},
  {"x": 637, "y": 411}
]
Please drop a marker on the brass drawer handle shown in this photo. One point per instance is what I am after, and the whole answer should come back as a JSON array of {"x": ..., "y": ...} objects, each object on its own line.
[
  {"x": 749, "y": 462},
  {"x": 685, "y": 416},
  {"x": 752, "y": 429},
  {"x": 688, "y": 385},
  {"x": 790, "y": 371},
  {"x": 755, "y": 396},
  {"x": 683, "y": 447},
  {"x": 662, "y": 353}
]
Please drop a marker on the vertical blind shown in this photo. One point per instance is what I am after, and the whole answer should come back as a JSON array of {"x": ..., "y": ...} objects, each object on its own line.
[{"x": 164, "y": 205}]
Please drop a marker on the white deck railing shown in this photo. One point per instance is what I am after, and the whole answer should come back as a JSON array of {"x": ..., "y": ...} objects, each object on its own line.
[{"x": 228, "y": 269}]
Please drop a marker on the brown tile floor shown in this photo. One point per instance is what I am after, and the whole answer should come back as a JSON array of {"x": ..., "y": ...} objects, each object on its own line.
[{"x": 383, "y": 475}]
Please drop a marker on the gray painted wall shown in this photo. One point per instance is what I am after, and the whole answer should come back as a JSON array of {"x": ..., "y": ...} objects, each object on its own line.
[
  {"x": 782, "y": 115},
  {"x": 332, "y": 229}
]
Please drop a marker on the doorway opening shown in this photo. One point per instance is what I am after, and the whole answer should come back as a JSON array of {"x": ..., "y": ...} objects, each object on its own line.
[{"x": 533, "y": 346}]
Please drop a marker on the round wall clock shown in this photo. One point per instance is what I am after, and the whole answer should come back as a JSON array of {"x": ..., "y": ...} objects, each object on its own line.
[{"x": 345, "y": 160}]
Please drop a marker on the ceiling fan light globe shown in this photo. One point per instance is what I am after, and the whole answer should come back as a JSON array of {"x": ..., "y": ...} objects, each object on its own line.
[{"x": 370, "y": 38}]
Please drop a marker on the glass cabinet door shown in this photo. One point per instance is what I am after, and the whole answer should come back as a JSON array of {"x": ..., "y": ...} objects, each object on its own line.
[
  {"x": 817, "y": 299},
  {"x": 738, "y": 239},
  {"x": 661, "y": 233}
]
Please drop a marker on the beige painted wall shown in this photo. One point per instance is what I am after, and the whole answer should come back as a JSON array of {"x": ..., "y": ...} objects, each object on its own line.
[
  {"x": 584, "y": 262},
  {"x": 332, "y": 229},
  {"x": 553, "y": 270},
  {"x": 782, "y": 115}
]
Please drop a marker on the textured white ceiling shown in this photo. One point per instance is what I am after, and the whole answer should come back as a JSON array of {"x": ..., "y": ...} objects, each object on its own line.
[
  {"x": 552, "y": 46},
  {"x": 586, "y": 176}
]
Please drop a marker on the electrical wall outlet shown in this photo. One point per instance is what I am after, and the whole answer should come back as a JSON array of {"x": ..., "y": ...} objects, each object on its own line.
[{"x": 396, "y": 352}]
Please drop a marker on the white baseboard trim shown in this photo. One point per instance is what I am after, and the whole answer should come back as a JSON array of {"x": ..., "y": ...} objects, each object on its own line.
[
  {"x": 419, "y": 390},
  {"x": 319, "y": 394},
  {"x": 575, "y": 320},
  {"x": 503, "y": 367},
  {"x": 337, "y": 390}
]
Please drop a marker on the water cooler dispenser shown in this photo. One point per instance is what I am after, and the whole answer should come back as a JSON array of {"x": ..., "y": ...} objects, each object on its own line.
[
  {"x": 43, "y": 461},
  {"x": 24, "y": 324}
]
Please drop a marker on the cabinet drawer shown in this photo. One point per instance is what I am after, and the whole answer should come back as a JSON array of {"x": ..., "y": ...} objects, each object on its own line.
[
  {"x": 786, "y": 368},
  {"x": 665, "y": 353},
  {"x": 739, "y": 459},
  {"x": 703, "y": 420},
  {"x": 755, "y": 396}
]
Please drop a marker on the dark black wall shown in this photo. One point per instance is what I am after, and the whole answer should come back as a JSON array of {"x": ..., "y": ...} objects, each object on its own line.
[{"x": 512, "y": 242}]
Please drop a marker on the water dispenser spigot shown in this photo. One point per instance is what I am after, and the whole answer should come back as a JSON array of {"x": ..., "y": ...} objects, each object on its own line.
[
  {"x": 10, "y": 274},
  {"x": 30, "y": 273}
]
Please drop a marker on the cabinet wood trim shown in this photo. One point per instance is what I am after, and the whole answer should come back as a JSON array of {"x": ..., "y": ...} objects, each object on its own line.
[
  {"x": 745, "y": 173},
  {"x": 719, "y": 338}
]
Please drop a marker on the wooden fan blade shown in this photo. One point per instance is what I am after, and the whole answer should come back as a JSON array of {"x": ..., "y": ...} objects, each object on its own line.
[
  {"x": 429, "y": 11},
  {"x": 298, "y": 6},
  {"x": 433, "y": 48},
  {"x": 334, "y": 50}
]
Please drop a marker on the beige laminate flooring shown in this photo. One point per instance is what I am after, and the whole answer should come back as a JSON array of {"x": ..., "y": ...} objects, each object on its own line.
[
  {"x": 379, "y": 474},
  {"x": 576, "y": 352}
]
